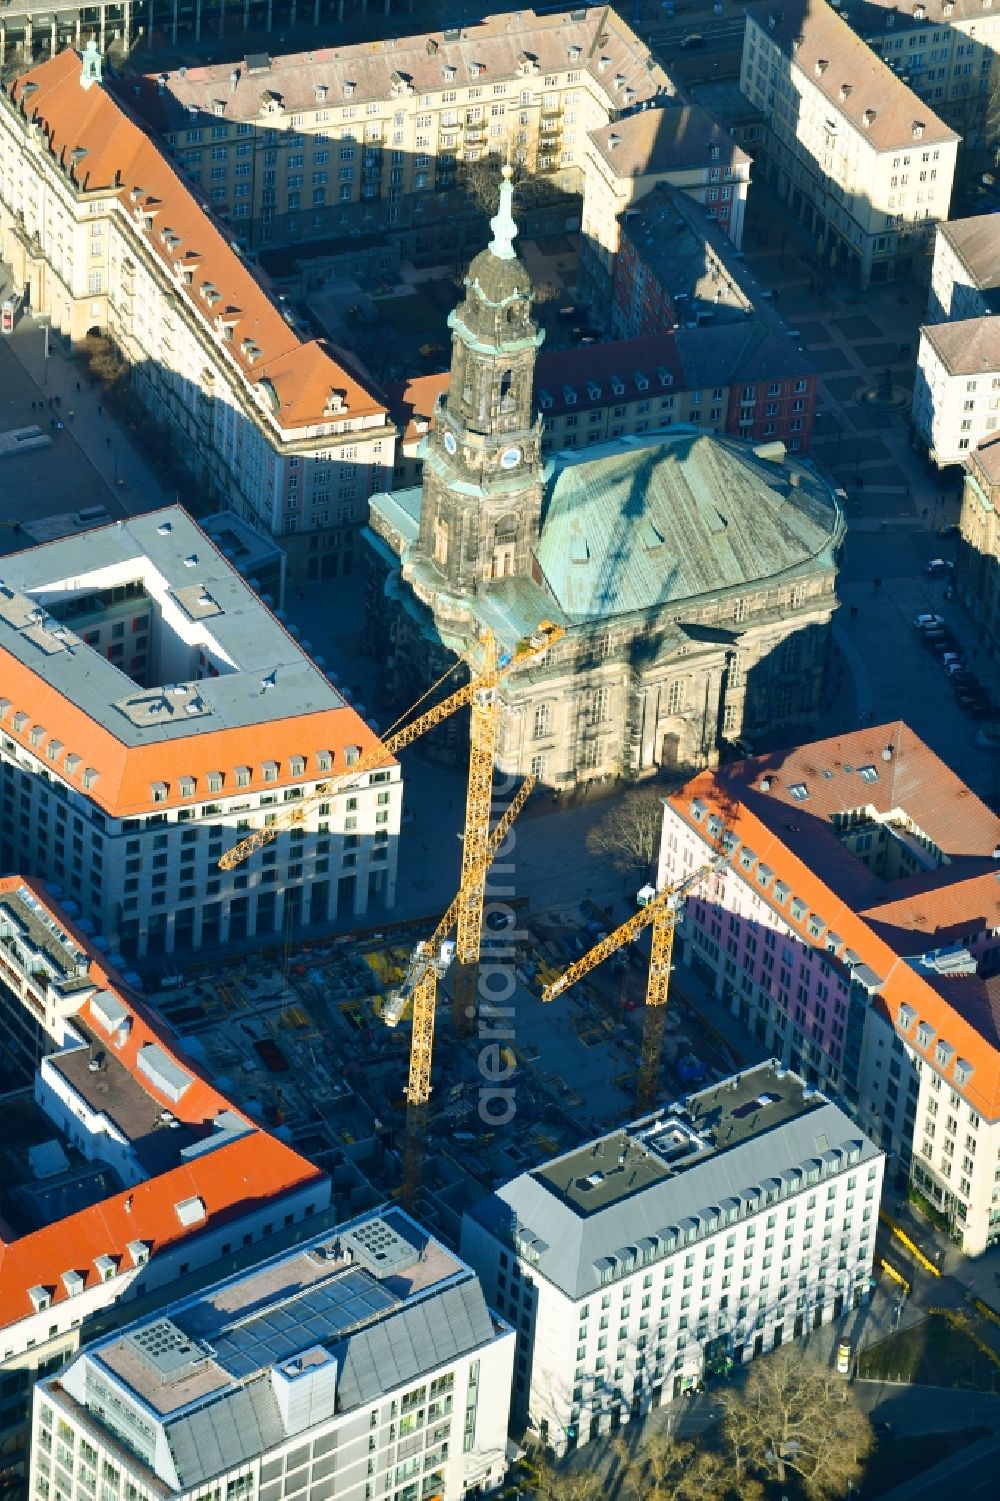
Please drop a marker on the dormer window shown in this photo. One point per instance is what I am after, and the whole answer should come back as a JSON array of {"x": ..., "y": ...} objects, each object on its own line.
[
  {"x": 324, "y": 760},
  {"x": 918, "y": 129},
  {"x": 40, "y": 1297},
  {"x": 297, "y": 765},
  {"x": 448, "y": 72},
  {"x": 868, "y": 119},
  {"x": 475, "y": 69},
  {"x": 218, "y": 106},
  {"x": 545, "y": 399},
  {"x": 664, "y": 377},
  {"x": 617, "y": 386},
  {"x": 641, "y": 381},
  {"x": 349, "y": 89},
  {"x": 569, "y": 396},
  {"x": 593, "y": 391},
  {"x": 906, "y": 1017},
  {"x": 186, "y": 786},
  {"x": 106, "y": 1267},
  {"x": 575, "y": 53},
  {"x": 925, "y": 1034},
  {"x": 822, "y": 64},
  {"x": 320, "y": 90}
]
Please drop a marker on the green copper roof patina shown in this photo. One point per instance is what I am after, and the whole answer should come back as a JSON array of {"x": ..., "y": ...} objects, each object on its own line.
[{"x": 676, "y": 515}]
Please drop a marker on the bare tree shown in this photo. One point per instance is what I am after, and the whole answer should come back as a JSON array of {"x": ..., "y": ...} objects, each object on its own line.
[
  {"x": 664, "y": 1468},
  {"x": 795, "y": 1414},
  {"x": 578, "y": 1483},
  {"x": 481, "y": 178},
  {"x": 629, "y": 833}
]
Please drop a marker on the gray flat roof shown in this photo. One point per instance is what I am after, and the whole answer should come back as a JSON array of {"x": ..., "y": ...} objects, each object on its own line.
[
  {"x": 639, "y": 1192},
  {"x": 183, "y": 571},
  {"x": 366, "y": 1307}
]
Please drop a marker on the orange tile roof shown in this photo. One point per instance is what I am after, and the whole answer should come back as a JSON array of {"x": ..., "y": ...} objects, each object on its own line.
[
  {"x": 938, "y": 909},
  {"x": 118, "y": 154},
  {"x": 798, "y": 855},
  {"x": 126, "y": 774},
  {"x": 230, "y": 1181}
]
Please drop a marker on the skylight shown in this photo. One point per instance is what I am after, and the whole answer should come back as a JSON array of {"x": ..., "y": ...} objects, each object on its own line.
[{"x": 799, "y": 791}]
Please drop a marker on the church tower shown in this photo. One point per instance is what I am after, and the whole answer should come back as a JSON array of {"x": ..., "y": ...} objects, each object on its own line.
[{"x": 482, "y": 487}]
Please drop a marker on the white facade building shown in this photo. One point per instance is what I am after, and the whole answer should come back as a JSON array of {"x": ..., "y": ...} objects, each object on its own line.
[
  {"x": 956, "y": 393},
  {"x": 864, "y": 162},
  {"x": 362, "y": 1364},
  {"x": 965, "y": 273},
  {"x": 152, "y": 712},
  {"x": 103, "y": 234},
  {"x": 702, "y": 1234},
  {"x": 853, "y": 931}
]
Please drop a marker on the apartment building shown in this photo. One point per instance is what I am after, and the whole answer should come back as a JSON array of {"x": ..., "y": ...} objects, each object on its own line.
[
  {"x": 39, "y": 31},
  {"x": 126, "y": 1175},
  {"x": 684, "y": 1243},
  {"x": 362, "y": 139},
  {"x": 152, "y": 713},
  {"x": 977, "y": 569},
  {"x": 956, "y": 393},
  {"x": 945, "y": 50},
  {"x": 965, "y": 272},
  {"x": 854, "y": 930},
  {"x": 682, "y": 146},
  {"x": 675, "y": 267},
  {"x": 362, "y": 1363},
  {"x": 864, "y": 162},
  {"x": 738, "y": 378},
  {"x": 103, "y": 234}
]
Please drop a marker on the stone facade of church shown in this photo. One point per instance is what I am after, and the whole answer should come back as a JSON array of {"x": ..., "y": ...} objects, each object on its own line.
[{"x": 695, "y": 576}]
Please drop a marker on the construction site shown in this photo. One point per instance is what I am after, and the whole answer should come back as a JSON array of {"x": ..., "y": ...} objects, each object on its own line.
[
  {"x": 433, "y": 1060},
  {"x": 299, "y": 1041}
]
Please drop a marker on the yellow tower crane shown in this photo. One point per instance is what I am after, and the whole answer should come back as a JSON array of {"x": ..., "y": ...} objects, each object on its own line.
[
  {"x": 429, "y": 961},
  {"x": 481, "y": 692},
  {"x": 658, "y": 909}
]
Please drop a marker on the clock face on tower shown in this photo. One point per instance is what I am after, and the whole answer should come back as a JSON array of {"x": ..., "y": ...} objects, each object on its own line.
[
  {"x": 449, "y": 442},
  {"x": 510, "y": 458}
]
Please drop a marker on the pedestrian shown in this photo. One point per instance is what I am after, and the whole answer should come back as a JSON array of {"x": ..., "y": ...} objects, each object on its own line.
[
  {"x": 58, "y": 401},
  {"x": 78, "y": 385},
  {"x": 100, "y": 410},
  {"x": 854, "y": 612},
  {"x": 108, "y": 442}
]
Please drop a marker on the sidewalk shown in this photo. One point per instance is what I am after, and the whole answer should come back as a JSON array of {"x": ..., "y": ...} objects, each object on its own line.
[{"x": 131, "y": 484}]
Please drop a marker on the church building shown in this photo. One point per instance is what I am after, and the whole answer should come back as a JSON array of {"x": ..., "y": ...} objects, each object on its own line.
[{"x": 694, "y": 575}]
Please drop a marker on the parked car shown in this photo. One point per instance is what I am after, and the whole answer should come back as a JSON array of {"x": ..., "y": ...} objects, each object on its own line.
[
  {"x": 692, "y": 40},
  {"x": 939, "y": 568},
  {"x": 928, "y": 622},
  {"x": 844, "y": 1357},
  {"x": 883, "y": 1428}
]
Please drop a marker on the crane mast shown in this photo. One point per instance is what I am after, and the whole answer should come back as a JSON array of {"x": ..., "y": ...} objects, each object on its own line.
[
  {"x": 427, "y": 964},
  {"x": 658, "y": 909}
]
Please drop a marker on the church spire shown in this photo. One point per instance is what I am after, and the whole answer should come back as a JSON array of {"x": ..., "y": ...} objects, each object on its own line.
[{"x": 502, "y": 224}]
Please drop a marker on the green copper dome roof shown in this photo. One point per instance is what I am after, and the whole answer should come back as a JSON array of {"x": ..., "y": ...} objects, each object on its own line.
[{"x": 674, "y": 516}]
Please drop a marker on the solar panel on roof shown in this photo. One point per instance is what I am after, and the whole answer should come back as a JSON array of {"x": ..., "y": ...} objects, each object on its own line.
[{"x": 321, "y": 1316}]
